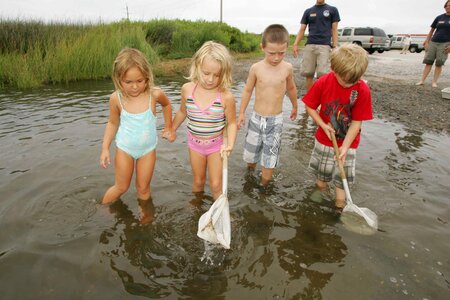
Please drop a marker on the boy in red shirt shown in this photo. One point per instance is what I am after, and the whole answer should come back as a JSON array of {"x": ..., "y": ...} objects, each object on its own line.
[{"x": 345, "y": 102}]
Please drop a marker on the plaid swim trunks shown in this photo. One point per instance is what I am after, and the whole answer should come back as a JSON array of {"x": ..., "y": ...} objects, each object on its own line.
[
  {"x": 263, "y": 140},
  {"x": 325, "y": 168}
]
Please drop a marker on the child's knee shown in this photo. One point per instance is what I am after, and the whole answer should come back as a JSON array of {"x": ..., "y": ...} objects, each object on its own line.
[
  {"x": 215, "y": 186},
  {"x": 199, "y": 181},
  {"x": 122, "y": 188},
  {"x": 142, "y": 189},
  {"x": 321, "y": 184}
]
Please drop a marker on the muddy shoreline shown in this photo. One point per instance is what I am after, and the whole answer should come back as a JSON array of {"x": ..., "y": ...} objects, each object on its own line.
[{"x": 395, "y": 96}]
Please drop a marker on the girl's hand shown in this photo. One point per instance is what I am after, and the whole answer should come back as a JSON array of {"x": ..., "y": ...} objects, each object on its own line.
[
  {"x": 105, "y": 159},
  {"x": 328, "y": 130},
  {"x": 225, "y": 150},
  {"x": 169, "y": 134}
]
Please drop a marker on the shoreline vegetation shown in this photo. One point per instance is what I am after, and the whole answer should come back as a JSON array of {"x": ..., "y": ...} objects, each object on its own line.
[{"x": 34, "y": 53}]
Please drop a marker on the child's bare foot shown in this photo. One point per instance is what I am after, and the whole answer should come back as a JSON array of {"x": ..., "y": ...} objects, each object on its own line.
[
  {"x": 419, "y": 83},
  {"x": 198, "y": 199},
  {"x": 147, "y": 211},
  {"x": 434, "y": 84}
]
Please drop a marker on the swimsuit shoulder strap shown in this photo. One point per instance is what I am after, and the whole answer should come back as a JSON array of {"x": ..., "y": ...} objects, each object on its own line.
[
  {"x": 193, "y": 90},
  {"x": 119, "y": 95},
  {"x": 150, "y": 100},
  {"x": 219, "y": 97}
]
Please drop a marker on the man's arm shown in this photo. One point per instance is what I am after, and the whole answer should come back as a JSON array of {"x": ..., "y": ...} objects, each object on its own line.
[
  {"x": 334, "y": 34},
  {"x": 298, "y": 39}
]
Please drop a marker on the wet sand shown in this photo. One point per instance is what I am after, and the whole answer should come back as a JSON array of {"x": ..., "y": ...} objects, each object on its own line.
[{"x": 392, "y": 77}]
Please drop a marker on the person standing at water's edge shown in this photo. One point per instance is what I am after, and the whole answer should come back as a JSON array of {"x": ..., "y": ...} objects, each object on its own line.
[
  {"x": 437, "y": 46},
  {"x": 345, "y": 102},
  {"x": 322, "y": 22},
  {"x": 271, "y": 78},
  {"x": 132, "y": 121},
  {"x": 406, "y": 43},
  {"x": 210, "y": 107}
]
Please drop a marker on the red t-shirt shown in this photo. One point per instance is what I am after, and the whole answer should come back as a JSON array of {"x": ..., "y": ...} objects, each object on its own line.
[{"x": 339, "y": 106}]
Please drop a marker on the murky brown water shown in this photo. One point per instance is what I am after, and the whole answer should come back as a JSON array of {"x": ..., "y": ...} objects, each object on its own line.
[{"x": 57, "y": 242}]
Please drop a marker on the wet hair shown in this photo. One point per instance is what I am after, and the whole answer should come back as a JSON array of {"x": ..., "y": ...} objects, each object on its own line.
[
  {"x": 127, "y": 59},
  {"x": 275, "y": 33},
  {"x": 219, "y": 53},
  {"x": 350, "y": 62}
]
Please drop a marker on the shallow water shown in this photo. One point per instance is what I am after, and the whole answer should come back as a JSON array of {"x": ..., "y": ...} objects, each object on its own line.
[{"x": 57, "y": 242}]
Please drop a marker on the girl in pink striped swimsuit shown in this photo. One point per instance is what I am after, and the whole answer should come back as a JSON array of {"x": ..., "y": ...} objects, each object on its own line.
[{"x": 210, "y": 108}]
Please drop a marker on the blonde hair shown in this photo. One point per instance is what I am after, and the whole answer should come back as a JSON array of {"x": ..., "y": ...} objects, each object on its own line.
[
  {"x": 219, "y": 53},
  {"x": 350, "y": 62},
  {"x": 127, "y": 59},
  {"x": 275, "y": 33}
]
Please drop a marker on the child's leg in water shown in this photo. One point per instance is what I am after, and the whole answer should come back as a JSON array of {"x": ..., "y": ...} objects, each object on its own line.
[
  {"x": 251, "y": 167},
  {"x": 198, "y": 165},
  {"x": 145, "y": 166},
  {"x": 147, "y": 210},
  {"x": 340, "y": 198},
  {"x": 266, "y": 176},
  {"x": 322, "y": 185},
  {"x": 214, "y": 166},
  {"x": 123, "y": 171}
]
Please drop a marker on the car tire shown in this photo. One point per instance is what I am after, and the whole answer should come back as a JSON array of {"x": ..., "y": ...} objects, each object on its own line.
[
  {"x": 380, "y": 50},
  {"x": 413, "y": 49}
]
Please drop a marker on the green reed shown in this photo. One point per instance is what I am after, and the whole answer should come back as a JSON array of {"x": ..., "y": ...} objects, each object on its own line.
[{"x": 33, "y": 53}]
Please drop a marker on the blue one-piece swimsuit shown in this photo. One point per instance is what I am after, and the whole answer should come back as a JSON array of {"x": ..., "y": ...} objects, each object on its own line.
[{"x": 137, "y": 132}]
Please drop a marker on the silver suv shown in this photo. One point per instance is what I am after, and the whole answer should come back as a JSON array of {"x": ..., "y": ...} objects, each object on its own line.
[{"x": 370, "y": 38}]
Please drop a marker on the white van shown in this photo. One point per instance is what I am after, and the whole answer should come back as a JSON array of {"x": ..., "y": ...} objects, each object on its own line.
[{"x": 416, "y": 42}]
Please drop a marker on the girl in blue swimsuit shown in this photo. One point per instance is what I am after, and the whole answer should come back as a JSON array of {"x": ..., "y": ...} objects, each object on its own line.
[{"x": 132, "y": 122}]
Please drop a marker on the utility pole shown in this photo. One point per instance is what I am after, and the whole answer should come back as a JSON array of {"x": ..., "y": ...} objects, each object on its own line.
[
  {"x": 220, "y": 11},
  {"x": 128, "y": 14}
]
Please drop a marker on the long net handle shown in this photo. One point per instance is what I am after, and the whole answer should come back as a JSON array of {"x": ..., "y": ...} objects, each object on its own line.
[
  {"x": 225, "y": 164},
  {"x": 336, "y": 150}
]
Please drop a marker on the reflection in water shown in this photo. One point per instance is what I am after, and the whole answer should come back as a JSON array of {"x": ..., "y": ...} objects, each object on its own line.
[
  {"x": 297, "y": 241},
  {"x": 404, "y": 164},
  {"x": 409, "y": 141},
  {"x": 152, "y": 260},
  {"x": 131, "y": 239},
  {"x": 286, "y": 241}
]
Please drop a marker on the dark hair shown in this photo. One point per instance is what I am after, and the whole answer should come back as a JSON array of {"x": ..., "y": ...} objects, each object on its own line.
[
  {"x": 275, "y": 33},
  {"x": 445, "y": 5}
]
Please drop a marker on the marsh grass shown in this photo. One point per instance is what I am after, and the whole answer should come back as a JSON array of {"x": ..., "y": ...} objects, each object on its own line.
[{"x": 33, "y": 53}]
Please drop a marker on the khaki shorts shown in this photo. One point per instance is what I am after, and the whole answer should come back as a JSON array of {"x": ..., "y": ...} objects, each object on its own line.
[
  {"x": 325, "y": 168},
  {"x": 315, "y": 57},
  {"x": 436, "y": 52}
]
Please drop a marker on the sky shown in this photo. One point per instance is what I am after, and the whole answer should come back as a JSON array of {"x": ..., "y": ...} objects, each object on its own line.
[{"x": 394, "y": 16}]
